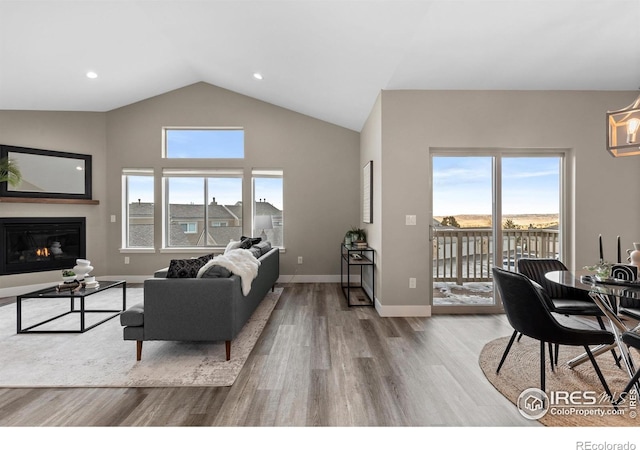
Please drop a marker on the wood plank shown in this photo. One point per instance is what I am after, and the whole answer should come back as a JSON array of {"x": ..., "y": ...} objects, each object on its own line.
[{"x": 317, "y": 363}]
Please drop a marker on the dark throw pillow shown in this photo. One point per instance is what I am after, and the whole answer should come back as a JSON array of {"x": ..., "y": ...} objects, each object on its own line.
[
  {"x": 184, "y": 268},
  {"x": 206, "y": 258},
  {"x": 249, "y": 241}
]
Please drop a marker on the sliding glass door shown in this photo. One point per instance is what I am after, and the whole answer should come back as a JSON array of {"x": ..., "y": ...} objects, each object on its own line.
[{"x": 489, "y": 208}]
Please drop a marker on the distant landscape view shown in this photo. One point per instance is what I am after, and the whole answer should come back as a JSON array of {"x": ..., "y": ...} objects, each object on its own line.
[
  {"x": 521, "y": 221},
  {"x": 465, "y": 191}
]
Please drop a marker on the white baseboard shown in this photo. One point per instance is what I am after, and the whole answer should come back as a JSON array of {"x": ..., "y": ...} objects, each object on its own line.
[
  {"x": 314, "y": 279},
  {"x": 383, "y": 310},
  {"x": 19, "y": 290},
  {"x": 403, "y": 310}
]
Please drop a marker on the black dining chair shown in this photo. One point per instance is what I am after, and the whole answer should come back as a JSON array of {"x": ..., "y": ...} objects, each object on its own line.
[
  {"x": 525, "y": 305},
  {"x": 563, "y": 300},
  {"x": 631, "y": 339}
]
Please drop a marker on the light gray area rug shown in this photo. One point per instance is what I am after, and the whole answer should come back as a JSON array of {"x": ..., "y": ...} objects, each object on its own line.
[{"x": 101, "y": 358}]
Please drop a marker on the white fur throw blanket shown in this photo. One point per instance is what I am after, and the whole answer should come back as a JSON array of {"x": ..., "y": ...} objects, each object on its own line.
[{"x": 240, "y": 262}]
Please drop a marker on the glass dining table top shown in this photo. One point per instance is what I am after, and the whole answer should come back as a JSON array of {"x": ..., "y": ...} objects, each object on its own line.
[{"x": 587, "y": 282}]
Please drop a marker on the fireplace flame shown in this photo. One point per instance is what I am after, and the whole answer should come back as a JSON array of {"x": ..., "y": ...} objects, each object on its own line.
[{"x": 42, "y": 251}]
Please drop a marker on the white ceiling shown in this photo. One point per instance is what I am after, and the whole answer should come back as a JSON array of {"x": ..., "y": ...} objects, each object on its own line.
[{"x": 325, "y": 58}]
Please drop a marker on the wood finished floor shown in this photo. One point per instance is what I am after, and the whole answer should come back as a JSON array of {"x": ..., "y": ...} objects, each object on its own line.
[{"x": 317, "y": 363}]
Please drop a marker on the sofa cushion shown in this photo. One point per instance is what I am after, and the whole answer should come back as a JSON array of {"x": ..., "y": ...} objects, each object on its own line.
[
  {"x": 133, "y": 316},
  {"x": 184, "y": 268},
  {"x": 263, "y": 246},
  {"x": 256, "y": 252},
  {"x": 213, "y": 270}
]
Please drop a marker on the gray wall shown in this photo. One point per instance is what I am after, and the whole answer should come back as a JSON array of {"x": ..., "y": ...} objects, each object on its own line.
[
  {"x": 76, "y": 132},
  {"x": 320, "y": 163},
  {"x": 412, "y": 122}
]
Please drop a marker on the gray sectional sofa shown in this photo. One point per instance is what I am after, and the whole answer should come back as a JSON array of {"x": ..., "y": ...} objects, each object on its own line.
[{"x": 198, "y": 309}]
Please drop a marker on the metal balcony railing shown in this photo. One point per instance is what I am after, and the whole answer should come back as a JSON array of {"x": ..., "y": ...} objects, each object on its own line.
[{"x": 467, "y": 254}]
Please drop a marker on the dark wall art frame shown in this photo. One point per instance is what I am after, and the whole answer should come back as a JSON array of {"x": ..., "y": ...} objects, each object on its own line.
[
  {"x": 367, "y": 193},
  {"x": 46, "y": 161}
]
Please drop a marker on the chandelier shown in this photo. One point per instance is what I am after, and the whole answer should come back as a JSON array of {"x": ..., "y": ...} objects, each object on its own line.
[{"x": 622, "y": 130}]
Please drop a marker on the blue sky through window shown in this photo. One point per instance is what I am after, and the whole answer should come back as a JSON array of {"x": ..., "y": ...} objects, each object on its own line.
[
  {"x": 462, "y": 185},
  {"x": 205, "y": 143},
  {"x": 269, "y": 189}
]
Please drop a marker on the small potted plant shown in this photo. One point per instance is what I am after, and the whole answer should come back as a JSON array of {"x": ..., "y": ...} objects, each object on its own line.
[
  {"x": 358, "y": 237},
  {"x": 602, "y": 270},
  {"x": 68, "y": 276}
]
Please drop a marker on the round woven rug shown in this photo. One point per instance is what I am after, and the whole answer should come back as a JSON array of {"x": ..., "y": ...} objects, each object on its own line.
[{"x": 521, "y": 371}]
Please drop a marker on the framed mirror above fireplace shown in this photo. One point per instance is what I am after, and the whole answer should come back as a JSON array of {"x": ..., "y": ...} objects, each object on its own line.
[{"x": 48, "y": 174}]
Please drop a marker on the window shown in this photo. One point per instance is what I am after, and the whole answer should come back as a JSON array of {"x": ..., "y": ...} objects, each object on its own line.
[
  {"x": 268, "y": 208},
  {"x": 194, "y": 198},
  {"x": 138, "y": 208},
  {"x": 189, "y": 227},
  {"x": 515, "y": 212},
  {"x": 204, "y": 143}
]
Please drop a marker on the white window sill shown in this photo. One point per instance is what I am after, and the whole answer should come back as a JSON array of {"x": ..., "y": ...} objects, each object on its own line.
[
  {"x": 200, "y": 250},
  {"x": 137, "y": 250}
]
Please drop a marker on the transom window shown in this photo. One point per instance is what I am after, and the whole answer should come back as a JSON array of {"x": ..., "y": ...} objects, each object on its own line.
[{"x": 203, "y": 143}]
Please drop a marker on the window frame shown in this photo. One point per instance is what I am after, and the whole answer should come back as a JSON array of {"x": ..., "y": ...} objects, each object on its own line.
[
  {"x": 205, "y": 174},
  {"x": 165, "y": 139},
  {"x": 267, "y": 173},
  {"x": 125, "y": 235}
]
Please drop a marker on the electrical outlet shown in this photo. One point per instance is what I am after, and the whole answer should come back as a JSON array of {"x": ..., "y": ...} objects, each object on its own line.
[
  {"x": 126, "y": 260},
  {"x": 299, "y": 259},
  {"x": 113, "y": 218},
  {"x": 410, "y": 220},
  {"x": 412, "y": 283}
]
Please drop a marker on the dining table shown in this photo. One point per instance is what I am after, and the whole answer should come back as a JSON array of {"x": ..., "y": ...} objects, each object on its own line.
[{"x": 607, "y": 293}]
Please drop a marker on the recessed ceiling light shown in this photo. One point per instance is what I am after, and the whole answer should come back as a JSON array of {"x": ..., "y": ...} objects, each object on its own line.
[
  {"x": 92, "y": 75},
  {"x": 257, "y": 76}
]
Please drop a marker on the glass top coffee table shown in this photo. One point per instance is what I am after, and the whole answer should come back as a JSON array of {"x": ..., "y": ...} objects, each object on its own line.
[{"x": 78, "y": 295}]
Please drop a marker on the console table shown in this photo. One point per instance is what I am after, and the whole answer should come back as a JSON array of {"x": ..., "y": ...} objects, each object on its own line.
[{"x": 352, "y": 256}]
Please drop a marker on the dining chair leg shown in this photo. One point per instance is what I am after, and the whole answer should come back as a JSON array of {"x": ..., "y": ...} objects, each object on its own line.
[
  {"x": 628, "y": 388},
  {"x": 551, "y": 356},
  {"x": 506, "y": 350},
  {"x": 616, "y": 358},
  {"x": 542, "y": 368},
  {"x": 556, "y": 354},
  {"x": 598, "y": 372}
]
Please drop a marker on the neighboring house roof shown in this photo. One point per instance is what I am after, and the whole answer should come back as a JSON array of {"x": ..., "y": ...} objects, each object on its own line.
[
  {"x": 186, "y": 212},
  {"x": 141, "y": 235}
]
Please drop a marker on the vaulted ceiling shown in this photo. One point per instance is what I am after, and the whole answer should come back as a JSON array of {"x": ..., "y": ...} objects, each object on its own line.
[{"x": 325, "y": 58}]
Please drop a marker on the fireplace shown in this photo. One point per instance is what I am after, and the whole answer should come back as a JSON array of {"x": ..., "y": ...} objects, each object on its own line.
[{"x": 41, "y": 243}]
